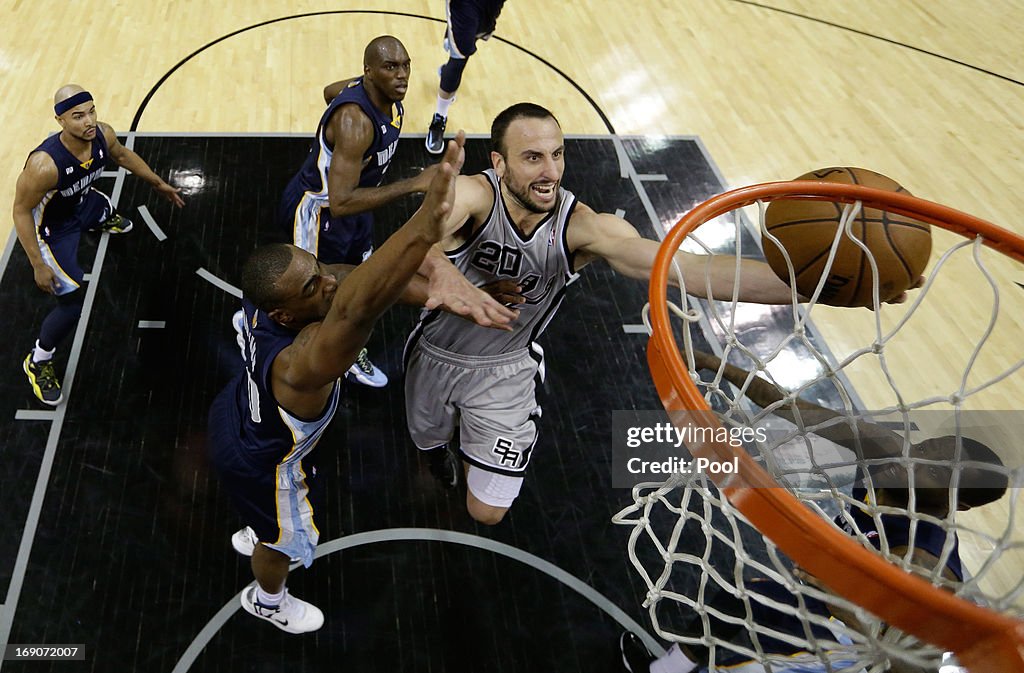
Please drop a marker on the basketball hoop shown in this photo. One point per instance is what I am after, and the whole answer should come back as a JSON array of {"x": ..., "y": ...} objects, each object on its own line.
[{"x": 984, "y": 640}]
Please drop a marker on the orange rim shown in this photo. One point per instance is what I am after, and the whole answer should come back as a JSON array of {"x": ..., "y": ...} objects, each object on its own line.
[{"x": 985, "y": 641}]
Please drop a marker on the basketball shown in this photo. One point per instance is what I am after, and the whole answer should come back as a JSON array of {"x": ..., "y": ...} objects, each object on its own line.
[{"x": 807, "y": 228}]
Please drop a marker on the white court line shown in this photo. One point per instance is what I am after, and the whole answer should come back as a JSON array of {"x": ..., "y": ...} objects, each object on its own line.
[
  {"x": 619, "y": 212},
  {"x": 625, "y": 165},
  {"x": 636, "y": 329},
  {"x": 690, "y": 302},
  {"x": 10, "y": 604},
  {"x": 151, "y": 223},
  {"x": 630, "y": 172},
  {"x": 233, "y": 605},
  {"x": 217, "y": 282},
  {"x": 653, "y": 177},
  {"x": 35, "y": 415},
  {"x": 6, "y": 257},
  {"x": 152, "y": 324}
]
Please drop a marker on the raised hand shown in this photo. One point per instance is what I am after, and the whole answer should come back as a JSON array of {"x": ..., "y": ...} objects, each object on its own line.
[
  {"x": 421, "y": 182},
  {"x": 440, "y": 197},
  {"x": 450, "y": 289}
]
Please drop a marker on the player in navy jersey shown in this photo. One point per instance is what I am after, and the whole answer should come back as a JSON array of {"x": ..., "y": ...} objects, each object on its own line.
[
  {"x": 54, "y": 202},
  {"x": 468, "y": 21},
  {"x": 891, "y": 487},
  {"x": 328, "y": 206},
  {"x": 305, "y": 324}
]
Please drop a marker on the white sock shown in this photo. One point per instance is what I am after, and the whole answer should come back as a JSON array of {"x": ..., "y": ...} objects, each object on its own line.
[
  {"x": 269, "y": 600},
  {"x": 674, "y": 661},
  {"x": 40, "y": 355},
  {"x": 443, "y": 104}
]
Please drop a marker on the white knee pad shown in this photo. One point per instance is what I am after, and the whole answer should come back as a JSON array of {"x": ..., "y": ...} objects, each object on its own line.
[{"x": 491, "y": 488}]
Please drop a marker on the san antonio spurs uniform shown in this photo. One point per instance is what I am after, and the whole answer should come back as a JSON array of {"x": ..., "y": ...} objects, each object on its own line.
[{"x": 481, "y": 379}]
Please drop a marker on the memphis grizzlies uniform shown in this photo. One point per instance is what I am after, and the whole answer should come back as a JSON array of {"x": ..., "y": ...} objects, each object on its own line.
[
  {"x": 786, "y": 657},
  {"x": 482, "y": 379},
  {"x": 262, "y": 452},
  {"x": 71, "y": 207},
  {"x": 469, "y": 21},
  {"x": 928, "y": 536},
  {"x": 304, "y": 207}
]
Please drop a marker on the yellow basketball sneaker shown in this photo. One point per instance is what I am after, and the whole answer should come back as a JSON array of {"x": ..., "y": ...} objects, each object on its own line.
[
  {"x": 44, "y": 380},
  {"x": 116, "y": 224}
]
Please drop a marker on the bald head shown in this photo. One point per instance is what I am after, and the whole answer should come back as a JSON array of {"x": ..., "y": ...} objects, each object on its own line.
[
  {"x": 72, "y": 103},
  {"x": 383, "y": 48},
  {"x": 66, "y": 92}
]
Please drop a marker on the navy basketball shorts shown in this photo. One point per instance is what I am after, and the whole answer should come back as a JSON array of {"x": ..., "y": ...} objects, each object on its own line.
[
  {"x": 276, "y": 500},
  {"x": 346, "y": 240},
  {"x": 469, "y": 21},
  {"x": 58, "y": 240},
  {"x": 334, "y": 240}
]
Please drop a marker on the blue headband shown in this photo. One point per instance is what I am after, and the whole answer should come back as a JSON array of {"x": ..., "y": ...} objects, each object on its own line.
[{"x": 68, "y": 103}]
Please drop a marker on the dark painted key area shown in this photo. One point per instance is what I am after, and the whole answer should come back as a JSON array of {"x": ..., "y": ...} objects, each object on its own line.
[{"x": 131, "y": 554}]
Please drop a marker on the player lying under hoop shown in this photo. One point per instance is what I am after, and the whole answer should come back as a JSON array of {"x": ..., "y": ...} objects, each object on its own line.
[{"x": 888, "y": 484}]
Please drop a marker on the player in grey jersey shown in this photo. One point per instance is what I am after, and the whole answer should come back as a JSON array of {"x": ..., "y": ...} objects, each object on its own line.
[{"x": 516, "y": 221}]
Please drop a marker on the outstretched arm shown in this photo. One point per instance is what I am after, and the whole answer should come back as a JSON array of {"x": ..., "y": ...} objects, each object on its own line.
[
  {"x": 595, "y": 235},
  {"x": 867, "y": 440},
  {"x": 475, "y": 309},
  {"x": 303, "y": 372},
  {"x": 131, "y": 161},
  {"x": 351, "y": 133}
]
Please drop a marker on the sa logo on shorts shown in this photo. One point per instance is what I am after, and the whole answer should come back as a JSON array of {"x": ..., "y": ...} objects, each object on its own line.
[{"x": 505, "y": 450}]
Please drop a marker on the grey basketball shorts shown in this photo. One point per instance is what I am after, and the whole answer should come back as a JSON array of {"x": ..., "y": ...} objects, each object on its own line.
[{"x": 491, "y": 400}]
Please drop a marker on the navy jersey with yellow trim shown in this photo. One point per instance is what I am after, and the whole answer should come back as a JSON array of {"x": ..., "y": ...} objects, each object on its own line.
[
  {"x": 896, "y": 527},
  {"x": 74, "y": 178},
  {"x": 312, "y": 177},
  {"x": 927, "y": 536},
  {"x": 269, "y": 435}
]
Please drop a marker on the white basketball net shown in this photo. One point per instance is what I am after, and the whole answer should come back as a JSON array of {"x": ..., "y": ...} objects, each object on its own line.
[{"x": 704, "y": 564}]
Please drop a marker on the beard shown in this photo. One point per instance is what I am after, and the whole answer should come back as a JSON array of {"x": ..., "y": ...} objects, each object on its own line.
[{"x": 522, "y": 196}]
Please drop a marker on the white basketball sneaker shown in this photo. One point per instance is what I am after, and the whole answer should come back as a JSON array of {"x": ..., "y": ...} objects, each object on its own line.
[
  {"x": 293, "y": 615},
  {"x": 364, "y": 371},
  {"x": 244, "y": 540}
]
